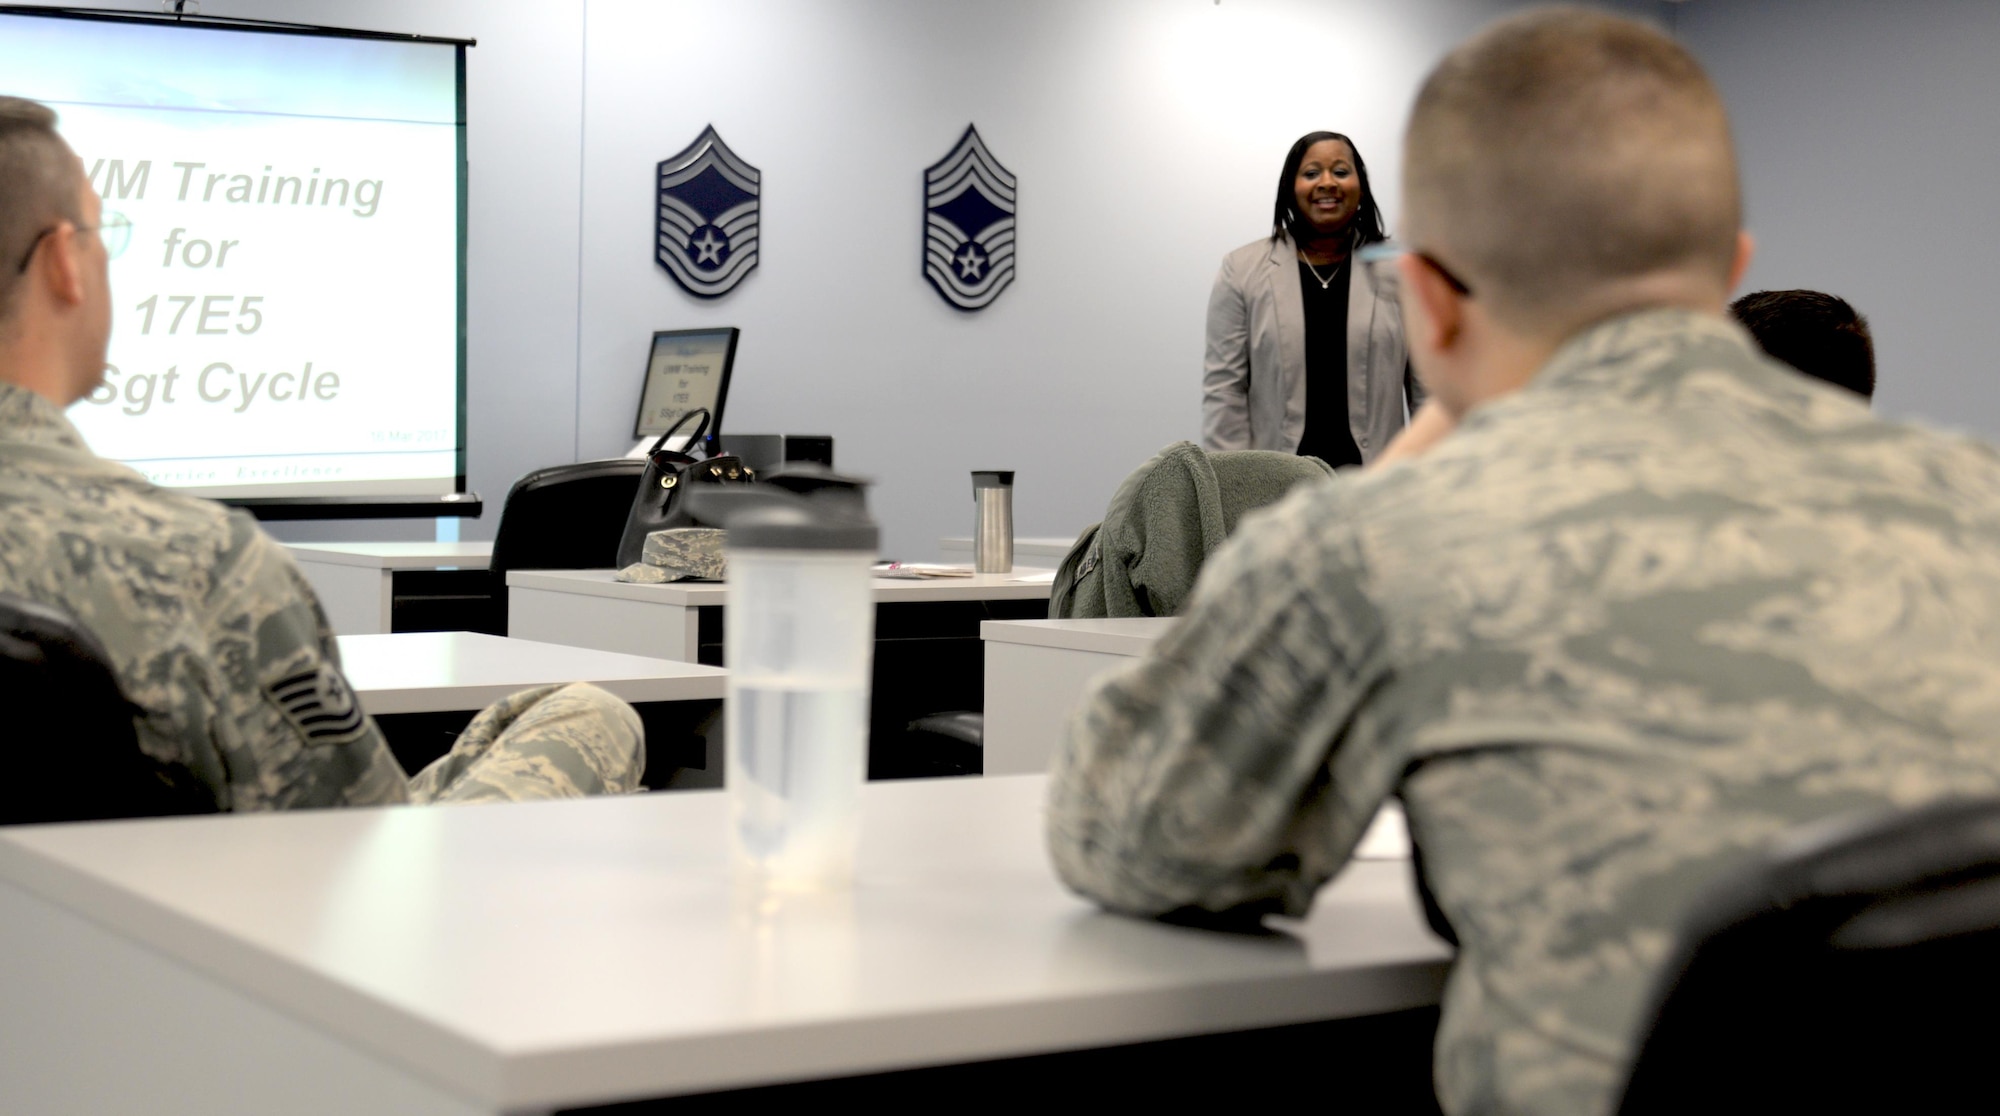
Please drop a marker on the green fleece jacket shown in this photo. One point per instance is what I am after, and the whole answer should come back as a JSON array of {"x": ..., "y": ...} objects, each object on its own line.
[{"x": 1163, "y": 523}]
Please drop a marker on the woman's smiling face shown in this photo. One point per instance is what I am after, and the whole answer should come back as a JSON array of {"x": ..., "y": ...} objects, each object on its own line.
[{"x": 1328, "y": 188}]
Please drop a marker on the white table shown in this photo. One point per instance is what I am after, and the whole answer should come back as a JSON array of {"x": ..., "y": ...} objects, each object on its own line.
[
  {"x": 590, "y": 608},
  {"x": 1046, "y": 550},
  {"x": 432, "y": 672},
  {"x": 407, "y": 679},
  {"x": 517, "y": 958},
  {"x": 1036, "y": 671},
  {"x": 356, "y": 581}
]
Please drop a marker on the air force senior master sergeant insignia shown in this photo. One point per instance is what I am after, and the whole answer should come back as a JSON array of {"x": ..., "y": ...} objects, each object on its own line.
[
  {"x": 969, "y": 225},
  {"x": 707, "y": 231}
]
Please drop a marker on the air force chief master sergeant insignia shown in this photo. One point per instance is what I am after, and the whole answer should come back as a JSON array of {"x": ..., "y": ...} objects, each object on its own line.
[
  {"x": 969, "y": 225},
  {"x": 707, "y": 232}
]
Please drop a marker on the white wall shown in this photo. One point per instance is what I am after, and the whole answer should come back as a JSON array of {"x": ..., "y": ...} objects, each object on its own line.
[
  {"x": 1146, "y": 135},
  {"x": 1870, "y": 141}
]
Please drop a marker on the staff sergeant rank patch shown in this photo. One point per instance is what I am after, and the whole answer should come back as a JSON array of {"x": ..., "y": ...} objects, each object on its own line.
[
  {"x": 969, "y": 225},
  {"x": 706, "y": 233},
  {"x": 318, "y": 703}
]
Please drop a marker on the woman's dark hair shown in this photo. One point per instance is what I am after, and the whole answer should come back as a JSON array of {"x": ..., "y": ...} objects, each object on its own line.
[{"x": 1366, "y": 227}]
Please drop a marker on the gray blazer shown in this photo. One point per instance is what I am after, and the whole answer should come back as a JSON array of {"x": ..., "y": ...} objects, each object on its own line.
[{"x": 1254, "y": 375}]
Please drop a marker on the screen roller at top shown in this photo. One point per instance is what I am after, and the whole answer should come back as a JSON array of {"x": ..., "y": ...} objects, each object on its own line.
[{"x": 286, "y": 320}]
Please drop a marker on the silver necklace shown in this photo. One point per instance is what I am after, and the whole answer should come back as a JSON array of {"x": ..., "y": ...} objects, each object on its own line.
[{"x": 1326, "y": 282}]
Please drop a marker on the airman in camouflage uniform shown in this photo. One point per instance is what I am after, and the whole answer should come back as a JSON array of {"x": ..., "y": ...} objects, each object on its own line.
[
  {"x": 1596, "y": 667},
  {"x": 213, "y": 632},
  {"x": 217, "y": 636},
  {"x": 1615, "y": 632}
]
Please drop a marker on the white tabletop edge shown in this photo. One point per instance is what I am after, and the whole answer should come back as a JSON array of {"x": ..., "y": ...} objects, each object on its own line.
[
  {"x": 433, "y": 1052},
  {"x": 421, "y": 672},
  {"x": 1112, "y": 636},
  {"x": 396, "y": 555},
  {"x": 850, "y": 1046},
  {"x": 439, "y": 699},
  {"x": 655, "y": 1061},
  {"x": 601, "y": 583}
]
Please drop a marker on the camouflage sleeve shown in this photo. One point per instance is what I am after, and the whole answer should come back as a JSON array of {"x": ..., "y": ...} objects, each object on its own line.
[
  {"x": 1203, "y": 776},
  {"x": 291, "y": 733}
]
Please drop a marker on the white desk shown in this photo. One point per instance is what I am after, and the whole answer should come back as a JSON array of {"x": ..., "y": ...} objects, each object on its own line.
[
  {"x": 423, "y": 686},
  {"x": 356, "y": 581},
  {"x": 589, "y": 608},
  {"x": 1036, "y": 671},
  {"x": 1047, "y": 550},
  {"x": 433, "y": 672},
  {"x": 516, "y": 958}
]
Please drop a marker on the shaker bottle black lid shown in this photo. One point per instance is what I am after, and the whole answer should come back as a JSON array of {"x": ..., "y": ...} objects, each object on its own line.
[
  {"x": 800, "y": 526},
  {"x": 776, "y": 515},
  {"x": 993, "y": 478}
]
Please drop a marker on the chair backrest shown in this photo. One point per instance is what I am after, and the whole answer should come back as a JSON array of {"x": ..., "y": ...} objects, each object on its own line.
[
  {"x": 69, "y": 750},
  {"x": 1855, "y": 967},
  {"x": 566, "y": 517}
]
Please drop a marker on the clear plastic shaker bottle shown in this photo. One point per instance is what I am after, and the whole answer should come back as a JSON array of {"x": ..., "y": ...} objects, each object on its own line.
[{"x": 799, "y": 630}]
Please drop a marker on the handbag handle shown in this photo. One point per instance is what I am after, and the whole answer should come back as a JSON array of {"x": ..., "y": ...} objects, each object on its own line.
[{"x": 693, "y": 439}]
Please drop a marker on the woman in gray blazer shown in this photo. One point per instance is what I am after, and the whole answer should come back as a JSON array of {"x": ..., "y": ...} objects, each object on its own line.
[{"x": 1305, "y": 347}]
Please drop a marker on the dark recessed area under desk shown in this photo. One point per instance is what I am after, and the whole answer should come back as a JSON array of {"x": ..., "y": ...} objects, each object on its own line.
[
  {"x": 447, "y": 600},
  {"x": 1377, "y": 1064},
  {"x": 928, "y": 659}
]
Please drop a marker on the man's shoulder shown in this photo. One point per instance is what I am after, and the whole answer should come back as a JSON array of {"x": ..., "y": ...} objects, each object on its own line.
[
  {"x": 78, "y": 524},
  {"x": 91, "y": 498}
]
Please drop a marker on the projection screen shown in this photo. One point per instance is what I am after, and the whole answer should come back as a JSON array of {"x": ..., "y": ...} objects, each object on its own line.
[{"x": 289, "y": 317}]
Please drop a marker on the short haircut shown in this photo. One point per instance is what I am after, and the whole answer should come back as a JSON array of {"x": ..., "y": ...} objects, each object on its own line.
[
  {"x": 1285, "y": 217},
  {"x": 37, "y": 186},
  {"x": 1562, "y": 151},
  {"x": 1818, "y": 334}
]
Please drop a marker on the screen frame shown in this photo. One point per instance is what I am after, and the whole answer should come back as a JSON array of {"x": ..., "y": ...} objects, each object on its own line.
[
  {"x": 274, "y": 507},
  {"x": 722, "y": 384}
]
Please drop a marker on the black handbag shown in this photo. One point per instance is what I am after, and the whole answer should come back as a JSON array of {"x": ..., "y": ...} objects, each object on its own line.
[{"x": 662, "y": 500}]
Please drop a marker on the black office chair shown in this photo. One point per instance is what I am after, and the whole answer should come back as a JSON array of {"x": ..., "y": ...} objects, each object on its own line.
[
  {"x": 564, "y": 517},
  {"x": 68, "y": 751},
  {"x": 1855, "y": 968}
]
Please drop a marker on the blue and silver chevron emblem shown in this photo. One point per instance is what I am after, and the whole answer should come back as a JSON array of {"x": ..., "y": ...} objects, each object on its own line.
[
  {"x": 707, "y": 232},
  {"x": 969, "y": 225}
]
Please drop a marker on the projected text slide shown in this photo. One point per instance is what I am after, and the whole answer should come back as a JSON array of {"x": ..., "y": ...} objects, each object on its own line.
[{"x": 286, "y": 317}]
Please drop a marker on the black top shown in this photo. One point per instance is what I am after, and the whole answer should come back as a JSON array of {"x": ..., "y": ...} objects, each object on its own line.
[{"x": 1327, "y": 436}]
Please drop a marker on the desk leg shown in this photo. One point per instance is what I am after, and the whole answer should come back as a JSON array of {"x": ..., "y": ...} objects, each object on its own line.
[
  {"x": 356, "y": 598},
  {"x": 659, "y": 631}
]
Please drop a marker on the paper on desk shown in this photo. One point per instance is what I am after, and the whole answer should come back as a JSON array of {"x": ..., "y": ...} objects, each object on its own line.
[
  {"x": 920, "y": 570},
  {"x": 1039, "y": 577}
]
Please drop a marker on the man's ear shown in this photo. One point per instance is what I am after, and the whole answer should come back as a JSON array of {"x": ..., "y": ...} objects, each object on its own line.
[
  {"x": 60, "y": 264},
  {"x": 1746, "y": 248},
  {"x": 1440, "y": 309}
]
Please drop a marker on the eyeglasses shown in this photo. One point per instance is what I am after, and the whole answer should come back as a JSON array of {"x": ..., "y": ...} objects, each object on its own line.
[
  {"x": 114, "y": 230},
  {"x": 1381, "y": 258}
]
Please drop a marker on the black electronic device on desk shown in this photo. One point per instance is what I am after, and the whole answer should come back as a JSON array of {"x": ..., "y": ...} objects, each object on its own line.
[
  {"x": 686, "y": 369},
  {"x": 768, "y": 453}
]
